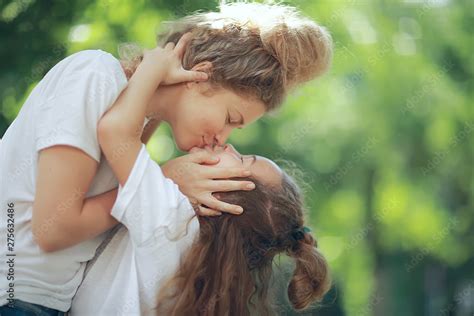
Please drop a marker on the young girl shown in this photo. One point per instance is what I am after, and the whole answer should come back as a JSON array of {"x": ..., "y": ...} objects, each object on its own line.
[
  {"x": 56, "y": 185},
  {"x": 227, "y": 261}
]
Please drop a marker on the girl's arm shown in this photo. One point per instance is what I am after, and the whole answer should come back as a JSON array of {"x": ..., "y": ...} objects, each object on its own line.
[{"x": 119, "y": 130}]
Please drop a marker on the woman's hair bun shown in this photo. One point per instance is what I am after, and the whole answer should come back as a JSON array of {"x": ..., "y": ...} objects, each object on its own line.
[{"x": 302, "y": 47}]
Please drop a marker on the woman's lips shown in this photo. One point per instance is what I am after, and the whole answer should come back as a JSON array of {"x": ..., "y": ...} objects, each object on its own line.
[{"x": 202, "y": 144}]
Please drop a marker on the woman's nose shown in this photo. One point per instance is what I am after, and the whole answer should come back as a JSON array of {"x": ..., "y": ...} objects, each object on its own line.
[
  {"x": 218, "y": 141},
  {"x": 222, "y": 137},
  {"x": 215, "y": 142}
]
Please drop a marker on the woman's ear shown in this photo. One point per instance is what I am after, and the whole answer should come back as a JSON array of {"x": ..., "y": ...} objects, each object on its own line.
[{"x": 204, "y": 66}]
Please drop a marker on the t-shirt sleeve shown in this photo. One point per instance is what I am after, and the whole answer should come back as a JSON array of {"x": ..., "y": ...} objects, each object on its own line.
[
  {"x": 82, "y": 93},
  {"x": 149, "y": 203}
]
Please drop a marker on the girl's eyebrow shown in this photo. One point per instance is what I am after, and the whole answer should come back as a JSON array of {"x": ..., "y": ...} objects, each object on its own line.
[{"x": 254, "y": 159}]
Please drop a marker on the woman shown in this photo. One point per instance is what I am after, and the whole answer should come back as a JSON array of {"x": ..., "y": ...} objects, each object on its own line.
[
  {"x": 63, "y": 213},
  {"x": 227, "y": 260}
]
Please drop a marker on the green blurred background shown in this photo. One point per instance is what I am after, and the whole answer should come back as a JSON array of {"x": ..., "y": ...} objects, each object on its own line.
[{"x": 383, "y": 144}]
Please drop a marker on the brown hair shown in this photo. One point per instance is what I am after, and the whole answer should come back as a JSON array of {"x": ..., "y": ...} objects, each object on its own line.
[
  {"x": 227, "y": 270},
  {"x": 257, "y": 50}
]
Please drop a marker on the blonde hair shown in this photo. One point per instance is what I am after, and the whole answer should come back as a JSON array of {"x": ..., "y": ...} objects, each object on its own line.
[{"x": 257, "y": 50}]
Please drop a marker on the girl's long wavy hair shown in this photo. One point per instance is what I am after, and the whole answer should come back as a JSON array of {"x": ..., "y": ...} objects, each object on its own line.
[
  {"x": 228, "y": 268},
  {"x": 258, "y": 50}
]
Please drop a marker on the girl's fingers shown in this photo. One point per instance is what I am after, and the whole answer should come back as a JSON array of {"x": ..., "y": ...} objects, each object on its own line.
[
  {"x": 195, "y": 76},
  {"x": 204, "y": 211},
  {"x": 226, "y": 173},
  {"x": 183, "y": 41},
  {"x": 169, "y": 45},
  {"x": 229, "y": 185}
]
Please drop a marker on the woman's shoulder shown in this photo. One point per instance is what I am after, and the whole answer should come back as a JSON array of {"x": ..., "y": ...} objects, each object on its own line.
[
  {"x": 98, "y": 60},
  {"x": 88, "y": 63}
]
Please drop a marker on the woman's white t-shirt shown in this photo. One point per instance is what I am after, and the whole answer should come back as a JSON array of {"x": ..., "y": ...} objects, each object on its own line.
[
  {"x": 64, "y": 108},
  {"x": 126, "y": 277}
]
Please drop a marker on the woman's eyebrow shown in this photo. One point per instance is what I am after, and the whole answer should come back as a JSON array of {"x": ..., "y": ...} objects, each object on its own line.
[{"x": 242, "y": 120}]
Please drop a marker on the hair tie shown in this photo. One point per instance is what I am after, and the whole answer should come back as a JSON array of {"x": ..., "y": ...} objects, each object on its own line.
[{"x": 298, "y": 233}]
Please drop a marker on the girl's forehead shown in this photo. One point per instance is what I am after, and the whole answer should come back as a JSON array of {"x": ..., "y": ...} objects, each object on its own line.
[{"x": 266, "y": 171}]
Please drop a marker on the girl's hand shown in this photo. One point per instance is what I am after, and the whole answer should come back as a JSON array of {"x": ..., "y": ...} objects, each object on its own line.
[
  {"x": 167, "y": 62},
  {"x": 196, "y": 181}
]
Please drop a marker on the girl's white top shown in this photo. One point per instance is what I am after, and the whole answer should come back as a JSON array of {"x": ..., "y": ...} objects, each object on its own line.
[
  {"x": 63, "y": 109},
  {"x": 126, "y": 277}
]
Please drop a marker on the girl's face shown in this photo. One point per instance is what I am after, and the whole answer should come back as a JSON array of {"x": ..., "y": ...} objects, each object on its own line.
[
  {"x": 201, "y": 119},
  {"x": 265, "y": 170}
]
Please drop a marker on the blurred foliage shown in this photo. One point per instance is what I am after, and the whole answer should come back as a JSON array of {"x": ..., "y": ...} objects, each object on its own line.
[{"x": 382, "y": 144}]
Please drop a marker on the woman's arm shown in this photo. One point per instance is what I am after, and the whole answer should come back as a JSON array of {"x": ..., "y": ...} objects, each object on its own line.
[
  {"x": 62, "y": 217},
  {"x": 68, "y": 158}
]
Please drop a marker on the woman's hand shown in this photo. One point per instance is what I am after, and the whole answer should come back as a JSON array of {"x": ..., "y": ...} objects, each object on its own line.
[
  {"x": 196, "y": 181},
  {"x": 167, "y": 63}
]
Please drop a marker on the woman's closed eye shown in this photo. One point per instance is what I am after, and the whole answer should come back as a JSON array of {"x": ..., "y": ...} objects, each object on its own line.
[{"x": 230, "y": 121}]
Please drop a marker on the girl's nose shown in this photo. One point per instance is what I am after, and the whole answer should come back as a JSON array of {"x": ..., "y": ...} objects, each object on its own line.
[{"x": 231, "y": 149}]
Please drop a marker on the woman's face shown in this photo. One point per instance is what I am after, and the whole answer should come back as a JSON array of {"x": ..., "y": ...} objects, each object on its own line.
[
  {"x": 265, "y": 170},
  {"x": 201, "y": 119}
]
